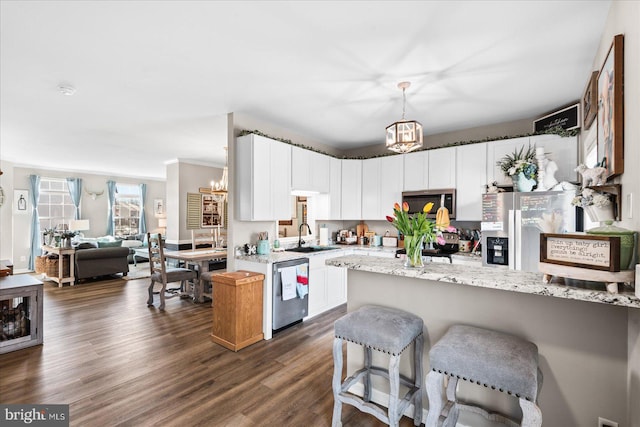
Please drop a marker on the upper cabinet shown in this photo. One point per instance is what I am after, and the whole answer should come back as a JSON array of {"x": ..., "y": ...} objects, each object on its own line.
[
  {"x": 329, "y": 205},
  {"x": 442, "y": 168},
  {"x": 496, "y": 150},
  {"x": 351, "y": 196},
  {"x": 471, "y": 176},
  {"x": 416, "y": 167},
  {"x": 382, "y": 180},
  {"x": 563, "y": 151},
  {"x": 309, "y": 171},
  {"x": 263, "y": 190},
  {"x": 430, "y": 169}
]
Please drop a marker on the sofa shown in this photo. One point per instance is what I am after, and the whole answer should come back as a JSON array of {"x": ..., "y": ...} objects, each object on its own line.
[{"x": 94, "y": 262}]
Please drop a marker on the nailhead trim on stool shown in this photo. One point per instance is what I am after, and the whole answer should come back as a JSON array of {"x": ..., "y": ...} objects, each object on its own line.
[
  {"x": 389, "y": 331},
  {"x": 500, "y": 361}
]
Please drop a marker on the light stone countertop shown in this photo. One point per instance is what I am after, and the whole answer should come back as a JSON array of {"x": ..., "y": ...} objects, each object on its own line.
[
  {"x": 485, "y": 277},
  {"x": 337, "y": 251}
]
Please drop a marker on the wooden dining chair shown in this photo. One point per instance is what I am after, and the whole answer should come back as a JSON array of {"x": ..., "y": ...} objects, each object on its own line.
[
  {"x": 202, "y": 238},
  {"x": 160, "y": 273}
]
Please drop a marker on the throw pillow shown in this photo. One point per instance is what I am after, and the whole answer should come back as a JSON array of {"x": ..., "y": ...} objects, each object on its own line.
[
  {"x": 115, "y": 244},
  {"x": 131, "y": 243},
  {"x": 86, "y": 245}
]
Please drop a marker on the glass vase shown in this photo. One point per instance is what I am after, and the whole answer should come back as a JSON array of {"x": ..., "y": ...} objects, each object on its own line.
[{"x": 413, "y": 247}]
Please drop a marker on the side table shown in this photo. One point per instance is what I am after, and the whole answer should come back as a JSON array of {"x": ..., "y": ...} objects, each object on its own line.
[{"x": 62, "y": 252}]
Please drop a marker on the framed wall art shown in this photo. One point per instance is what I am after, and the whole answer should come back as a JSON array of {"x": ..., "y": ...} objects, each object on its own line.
[
  {"x": 590, "y": 101},
  {"x": 158, "y": 208},
  {"x": 21, "y": 201},
  {"x": 610, "y": 109}
]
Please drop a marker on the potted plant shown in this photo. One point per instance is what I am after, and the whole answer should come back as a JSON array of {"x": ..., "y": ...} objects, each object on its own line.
[
  {"x": 521, "y": 167},
  {"x": 597, "y": 205}
]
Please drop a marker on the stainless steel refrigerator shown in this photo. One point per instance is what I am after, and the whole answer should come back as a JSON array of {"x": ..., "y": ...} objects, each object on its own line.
[{"x": 512, "y": 223}]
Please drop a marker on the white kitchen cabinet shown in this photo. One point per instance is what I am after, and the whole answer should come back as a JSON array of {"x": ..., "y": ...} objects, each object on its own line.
[
  {"x": 382, "y": 182},
  {"x": 318, "y": 296},
  {"x": 496, "y": 150},
  {"x": 309, "y": 171},
  {"x": 351, "y": 197},
  {"x": 329, "y": 204},
  {"x": 336, "y": 286},
  {"x": 563, "y": 151},
  {"x": 327, "y": 285},
  {"x": 442, "y": 168},
  {"x": 416, "y": 166},
  {"x": 471, "y": 177},
  {"x": 263, "y": 178}
]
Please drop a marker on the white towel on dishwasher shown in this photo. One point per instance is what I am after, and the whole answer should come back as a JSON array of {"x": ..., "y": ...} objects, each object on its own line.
[{"x": 288, "y": 275}]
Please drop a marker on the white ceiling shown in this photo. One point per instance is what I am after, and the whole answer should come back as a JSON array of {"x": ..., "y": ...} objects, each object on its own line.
[{"x": 154, "y": 79}]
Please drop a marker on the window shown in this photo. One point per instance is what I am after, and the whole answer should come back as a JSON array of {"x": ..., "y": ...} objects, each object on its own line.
[
  {"x": 126, "y": 210},
  {"x": 55, "y": 208}
]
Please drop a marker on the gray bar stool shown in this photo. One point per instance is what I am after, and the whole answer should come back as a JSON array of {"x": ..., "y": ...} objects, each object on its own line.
[
  {"x": 389, "y": 331},
  {"x": 482, "y": 356}
]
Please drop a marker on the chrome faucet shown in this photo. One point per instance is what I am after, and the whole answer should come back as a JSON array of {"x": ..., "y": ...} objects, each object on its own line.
[{"x": 300, "y": 241}]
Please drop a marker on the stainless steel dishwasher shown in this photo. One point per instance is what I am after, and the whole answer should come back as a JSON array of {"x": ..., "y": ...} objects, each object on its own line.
[{"x": 288, "y": 311}]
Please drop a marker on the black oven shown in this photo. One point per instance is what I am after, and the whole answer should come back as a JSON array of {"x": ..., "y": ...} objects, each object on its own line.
[{"x": 417, "y": 199}]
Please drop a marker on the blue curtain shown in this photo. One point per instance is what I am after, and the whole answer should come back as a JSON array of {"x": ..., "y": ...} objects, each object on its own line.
[
  {"x": 111, "y": 186},
  {"x": 75, "y": 191},
  {"x": 34, "y": 183},
  {"x": 143, "y": 221}
]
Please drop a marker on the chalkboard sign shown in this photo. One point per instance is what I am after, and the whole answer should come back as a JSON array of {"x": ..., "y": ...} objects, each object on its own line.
[
  {"x": 567, "y": 118},
  {"x": 579, "y": 250}
]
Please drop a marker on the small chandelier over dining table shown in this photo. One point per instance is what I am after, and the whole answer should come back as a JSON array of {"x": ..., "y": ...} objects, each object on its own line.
[
  {"x": 219, "y": 188},
  {"x": 405, "y": 135}
]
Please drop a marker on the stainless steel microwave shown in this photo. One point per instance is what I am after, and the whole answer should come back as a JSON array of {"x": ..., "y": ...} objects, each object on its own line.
[{"x": 417, "y": 199}]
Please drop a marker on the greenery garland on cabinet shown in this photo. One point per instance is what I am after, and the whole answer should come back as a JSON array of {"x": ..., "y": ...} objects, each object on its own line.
[{"x": 552, "y": 131}]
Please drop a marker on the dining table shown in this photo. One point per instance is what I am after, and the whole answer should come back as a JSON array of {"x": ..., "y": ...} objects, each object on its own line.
[{"x": 201, "y": 258}]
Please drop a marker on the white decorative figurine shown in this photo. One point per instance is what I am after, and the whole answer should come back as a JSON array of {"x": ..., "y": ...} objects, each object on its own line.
[
  {"x": 546, "y": 171},
  {"x": 592, "y": 176}
]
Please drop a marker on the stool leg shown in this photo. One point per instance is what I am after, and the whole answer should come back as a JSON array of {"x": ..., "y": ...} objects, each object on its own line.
[
  {"x": 366, "y": 380},
  {"x": 434, "y": 384},
  {"x": 337, "y": 383},
  {"x": 531, "y": 414},
  {"x": 418, "y": 375},
  {"x": 394, "y": 389}
]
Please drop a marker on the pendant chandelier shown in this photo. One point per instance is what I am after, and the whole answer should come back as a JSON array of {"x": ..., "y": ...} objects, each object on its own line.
[
  {"x": 406, "y": 135},
  {"x": 219, "y": 188}
]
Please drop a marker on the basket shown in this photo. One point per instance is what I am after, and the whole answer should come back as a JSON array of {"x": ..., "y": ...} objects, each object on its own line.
[
  {"x": 51, "y": 267},
  {"x": 40, "y": 261}
]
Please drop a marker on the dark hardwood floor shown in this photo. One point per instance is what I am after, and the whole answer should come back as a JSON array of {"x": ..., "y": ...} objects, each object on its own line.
[{"x": 118, "y": 363}]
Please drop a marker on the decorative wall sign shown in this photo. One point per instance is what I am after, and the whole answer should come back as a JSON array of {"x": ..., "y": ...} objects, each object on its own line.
[
  {"x": 158, "y": 208},
  {"x": 567, "y": 119},
  {"x": 577, "y": 250},
  {"x": 21, "y": 201},
  {"x": 590, "y": 101},
  {"x": 610, "y": 109}
]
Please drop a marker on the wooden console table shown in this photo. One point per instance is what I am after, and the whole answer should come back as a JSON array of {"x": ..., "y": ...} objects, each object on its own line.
[{"x": 62, "y": 252}]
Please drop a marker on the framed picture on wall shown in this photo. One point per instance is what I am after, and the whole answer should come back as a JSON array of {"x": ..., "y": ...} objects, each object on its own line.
[
  {"x": 21, "y": 201},
  {"x": 211, "y": 211},
  {"x": 610, "y": 109},
  {"x": 590, "y": 101},
  {"x": 158, "y": 208}
]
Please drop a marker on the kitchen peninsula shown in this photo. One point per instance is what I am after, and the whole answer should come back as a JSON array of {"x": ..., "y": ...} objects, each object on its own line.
[{"x": 581, "y": 334}]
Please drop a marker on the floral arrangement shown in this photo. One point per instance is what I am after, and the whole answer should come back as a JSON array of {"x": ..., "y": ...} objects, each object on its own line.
[
  {"x": 416, "y": 229},
  {"x": 520, "y": 161},
  {"x": 416, "y": 225},
  {"x": 589, "y": 197}
]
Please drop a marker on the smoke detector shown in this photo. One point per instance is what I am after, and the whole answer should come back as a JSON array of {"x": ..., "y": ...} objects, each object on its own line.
[{"x": 66, "y": 89}]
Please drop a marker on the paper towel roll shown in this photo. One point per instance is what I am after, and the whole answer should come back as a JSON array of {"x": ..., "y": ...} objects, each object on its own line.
[{"x": 324, "y": 236}]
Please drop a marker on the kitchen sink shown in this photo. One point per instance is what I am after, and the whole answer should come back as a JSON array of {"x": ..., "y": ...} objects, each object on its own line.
[{"x": 307, "y": 249}]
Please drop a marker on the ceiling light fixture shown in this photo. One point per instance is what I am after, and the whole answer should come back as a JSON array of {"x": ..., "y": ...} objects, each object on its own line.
[
  {"x": 219, "y": 188},
  {"x": 66, "y": 89},
  {"x": 406, "y": 135}
]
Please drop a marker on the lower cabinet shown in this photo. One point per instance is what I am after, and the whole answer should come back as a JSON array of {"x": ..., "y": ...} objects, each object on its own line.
[{"x": 327, "y": 285}]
